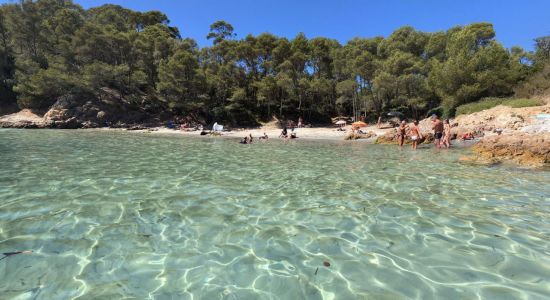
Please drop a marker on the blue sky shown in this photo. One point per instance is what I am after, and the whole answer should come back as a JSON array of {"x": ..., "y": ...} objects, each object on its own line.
[{"x": 516, "y": 22}]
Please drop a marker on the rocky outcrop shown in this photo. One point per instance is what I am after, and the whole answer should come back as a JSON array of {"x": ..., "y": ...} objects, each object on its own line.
[
  {"x": 506, "y": 118},
  {"x": 521, "y": 148},
  {"x": 359, "y": 136},
  {"x": 107, "y": 108},
  {"x": 390, "y": 137},
  {"x": 75, "y": 112},
  {"x": 23, "y": 119}
]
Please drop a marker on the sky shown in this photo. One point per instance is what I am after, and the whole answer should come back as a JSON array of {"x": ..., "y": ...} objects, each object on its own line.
[{"x": 517, "y": 22}]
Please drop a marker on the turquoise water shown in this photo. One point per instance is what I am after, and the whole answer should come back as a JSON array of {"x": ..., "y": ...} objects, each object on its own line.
[{"x": 113, "y": 215}]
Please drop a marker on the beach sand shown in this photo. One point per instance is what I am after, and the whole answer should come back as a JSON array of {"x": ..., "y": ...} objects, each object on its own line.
[{"x": 315, "y": 133}]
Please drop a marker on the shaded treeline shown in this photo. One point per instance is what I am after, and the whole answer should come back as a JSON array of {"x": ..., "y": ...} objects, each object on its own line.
[{"x": 52, "y": 48}]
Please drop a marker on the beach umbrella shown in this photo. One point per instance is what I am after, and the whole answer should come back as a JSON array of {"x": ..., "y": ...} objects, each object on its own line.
[
  {"x": 359, "y": 124},
  {"x": 341, "y": 122}
]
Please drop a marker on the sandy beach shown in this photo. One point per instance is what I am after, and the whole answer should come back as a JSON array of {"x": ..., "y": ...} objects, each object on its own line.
[{"x": 314, "y": 133}]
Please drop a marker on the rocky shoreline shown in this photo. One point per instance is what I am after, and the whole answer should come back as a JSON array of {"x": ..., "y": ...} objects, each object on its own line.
[
  {"x": 502, "y": 134},
  {"x": 530, "y": 150}
]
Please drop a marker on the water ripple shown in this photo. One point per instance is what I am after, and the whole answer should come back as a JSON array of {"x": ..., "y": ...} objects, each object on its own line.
[{"x": 125, "y": 215}]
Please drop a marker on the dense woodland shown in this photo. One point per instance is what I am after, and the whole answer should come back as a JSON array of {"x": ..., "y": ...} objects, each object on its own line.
[{"x": 54, "y": 48}]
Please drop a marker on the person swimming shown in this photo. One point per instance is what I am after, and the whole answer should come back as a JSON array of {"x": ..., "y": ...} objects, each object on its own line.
[{"x": 264, "y": 137}]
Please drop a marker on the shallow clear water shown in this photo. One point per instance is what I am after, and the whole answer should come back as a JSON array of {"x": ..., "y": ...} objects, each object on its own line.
[{"x": 127, "y": 215}]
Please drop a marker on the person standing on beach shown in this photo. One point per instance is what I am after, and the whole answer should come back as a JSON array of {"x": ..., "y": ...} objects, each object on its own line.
[
  {"x": 401, "y": 132},
  {"x": 437, "y": 126},
  {"x": 415, "y": 133},
  {"x": 446, "y": 133}
]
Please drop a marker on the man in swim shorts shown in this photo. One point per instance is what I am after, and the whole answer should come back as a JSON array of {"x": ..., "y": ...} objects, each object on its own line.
[{"x": 437, "y": 126}]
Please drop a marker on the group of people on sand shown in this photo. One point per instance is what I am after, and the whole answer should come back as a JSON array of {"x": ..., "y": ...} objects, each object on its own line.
[
  {"x": 249, "y": 139},
  {"x": 284, "y": 134},
  {"x": 442, "y": 133}
]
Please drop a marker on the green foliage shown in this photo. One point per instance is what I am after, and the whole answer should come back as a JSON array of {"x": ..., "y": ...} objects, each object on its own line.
[
  {"x": 542, "y": 53},
  {"x": 477, "y": 66},
  {"x": 220, "y": 31},
  {"x": 537, "y": 80},
  {"x": 51, "y": 48},
  {"x": 522, "y": 102},
  {"x": 41, "y": 89},
  {"x": 536, "y": 84},
  {"x": 488, "y": 103},
  {"x": 180, "y": 81}
]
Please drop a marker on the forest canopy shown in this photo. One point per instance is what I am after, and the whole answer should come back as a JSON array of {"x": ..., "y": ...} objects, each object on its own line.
[{"x": 52, "y": 48}]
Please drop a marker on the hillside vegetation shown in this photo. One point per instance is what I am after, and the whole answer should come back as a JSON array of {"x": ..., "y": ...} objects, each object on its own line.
[
  {"x": 488, "y": 103},
  {"x": 51, "y": 50}
]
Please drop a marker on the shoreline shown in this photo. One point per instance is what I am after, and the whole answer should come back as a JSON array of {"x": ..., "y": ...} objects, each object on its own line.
[
  {"x": 324, "y": 136},
  {"x": 489, "y": 150},
  {"x": 523, "y": 133},
  {"x": 314, "y": 133}
]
